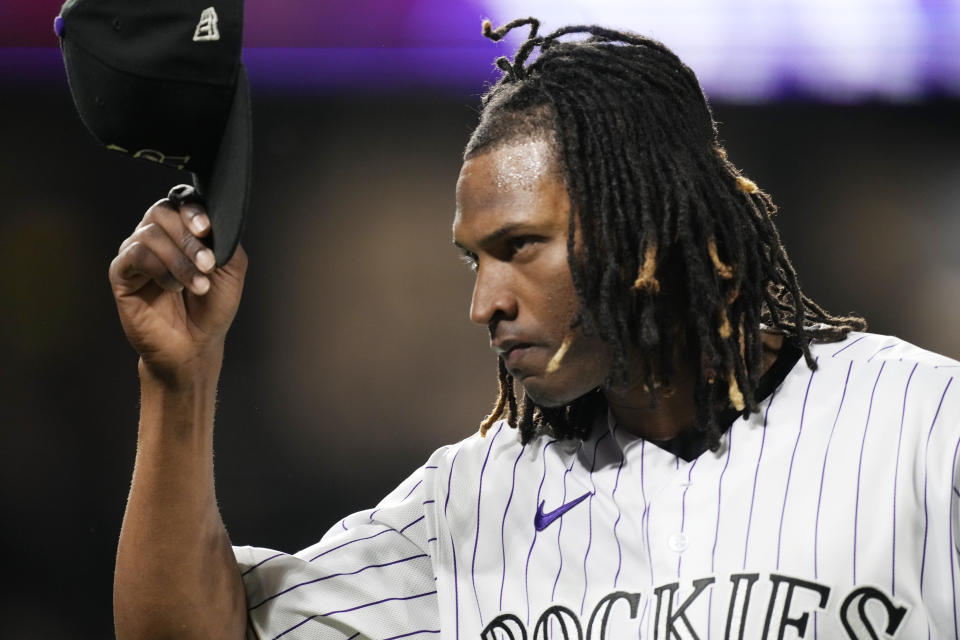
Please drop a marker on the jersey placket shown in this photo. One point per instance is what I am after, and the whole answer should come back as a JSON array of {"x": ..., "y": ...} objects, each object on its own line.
[{"x": 660, "y": 482}]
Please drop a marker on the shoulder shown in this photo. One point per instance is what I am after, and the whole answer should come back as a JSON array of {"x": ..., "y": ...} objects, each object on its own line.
[
  {"x": 860, "y": 347},
  {"x": 892, "y": 381},
  {"x": 921, "y": 371}
]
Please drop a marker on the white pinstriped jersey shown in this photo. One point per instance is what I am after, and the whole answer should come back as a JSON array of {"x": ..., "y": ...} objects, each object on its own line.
[{"x": 831, "y": 513}]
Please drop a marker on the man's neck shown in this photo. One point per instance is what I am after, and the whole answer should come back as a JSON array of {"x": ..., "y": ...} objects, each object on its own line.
[{"x": 675, "y": 409}]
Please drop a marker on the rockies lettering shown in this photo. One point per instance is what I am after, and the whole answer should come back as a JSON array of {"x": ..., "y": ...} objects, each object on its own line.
[{"x": 618, "y": 614}]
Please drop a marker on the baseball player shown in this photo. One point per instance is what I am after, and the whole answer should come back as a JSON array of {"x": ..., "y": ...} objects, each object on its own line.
[{"x": 684, "y": 445}]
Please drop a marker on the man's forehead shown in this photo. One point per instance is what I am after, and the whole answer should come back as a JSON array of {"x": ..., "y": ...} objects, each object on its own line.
[
  {"x": 511, "y": 187},
  {"x": 539, "y": 147},
  {"x": 523, "y": 163},
  {"x": 508, "y": 172}
]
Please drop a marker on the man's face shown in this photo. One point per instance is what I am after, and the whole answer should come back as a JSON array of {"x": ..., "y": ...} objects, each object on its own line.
[{"x": 511, "y": 222}]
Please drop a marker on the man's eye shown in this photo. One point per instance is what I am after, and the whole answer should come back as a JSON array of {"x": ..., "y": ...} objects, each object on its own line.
[{"x": 521, "y": 242}]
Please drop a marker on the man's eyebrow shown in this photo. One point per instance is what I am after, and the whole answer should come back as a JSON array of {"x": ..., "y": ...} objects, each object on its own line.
[{"x": 493, "y": 236}]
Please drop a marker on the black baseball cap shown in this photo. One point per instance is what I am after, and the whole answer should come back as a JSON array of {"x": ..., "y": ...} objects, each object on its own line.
[{"x": 162, "y": 80}]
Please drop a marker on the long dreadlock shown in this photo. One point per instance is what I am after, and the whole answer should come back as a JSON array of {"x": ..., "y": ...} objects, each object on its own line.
[{"x": 672, "y": 235}]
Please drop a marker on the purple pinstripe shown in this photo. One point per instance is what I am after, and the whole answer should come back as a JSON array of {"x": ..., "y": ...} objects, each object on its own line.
[
  {"x": 476, "y": 540},
  {"x": 593, "y": 487},
  {"x": 262, "y": 562},
  {"x": 926, "y": 512},
  {"x": 683, "y": 509},
  {"x": 716, "y": 530},
  {"x": 560, "y": 526},
  {"x": 410, "y": 493},
  {"x": 823, "y": 474},
  {"x": 453, "y": 549},
  {"x": 413, "y": 633},
  {"x": 877, "y": 352},
  {"x": 299, "y": 624},
  {"x": 793, "y": 455},
  {"x": 856, "y": 504},
  {"x": 953, "y": 577},
  {"x": 349, "y": 542},
  {"x": 756, "y": 474},
  {"x": 645, "y": 518},
  {"x": 335, "y": 575},
  {"x": 896, "y": 475},
  {"x": 613, "y": 497},
  {"x": 381, "y": 601},
  {"x": 526, "y": 571},
  {"x": 848, "y": 346},
  {"x": 503, "y": 526},
  {"x": 413, "y": 523},
  {"x": 643, "y": 614},
  {"x": 362, "y": 606}
]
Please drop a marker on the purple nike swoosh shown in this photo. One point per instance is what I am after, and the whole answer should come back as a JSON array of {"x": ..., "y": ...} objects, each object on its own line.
[{"x": 543, "y": 520}]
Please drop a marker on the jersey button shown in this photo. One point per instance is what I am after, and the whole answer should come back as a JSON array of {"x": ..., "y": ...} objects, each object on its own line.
[{"x": 678, "y": 542}]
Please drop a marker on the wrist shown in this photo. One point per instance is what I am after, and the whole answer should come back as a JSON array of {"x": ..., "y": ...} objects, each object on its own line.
[
  {"x": 178, "y": 404},
  {"x": 190, "y": 386},
  {"x": 182, "y": 377}
]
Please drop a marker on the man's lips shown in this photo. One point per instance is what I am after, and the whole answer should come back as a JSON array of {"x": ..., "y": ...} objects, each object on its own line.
[
  {"x": 504, "y": 345},
  {"x": 512, "y": 351}
]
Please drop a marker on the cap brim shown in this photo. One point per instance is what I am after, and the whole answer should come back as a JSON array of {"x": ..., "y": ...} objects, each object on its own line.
[{"x": 227, "y": 187}]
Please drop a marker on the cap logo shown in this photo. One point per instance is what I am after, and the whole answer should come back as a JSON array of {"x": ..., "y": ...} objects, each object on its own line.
[
  {"x": 177, "y": 162},
  {"x": 206, "y": 30}
]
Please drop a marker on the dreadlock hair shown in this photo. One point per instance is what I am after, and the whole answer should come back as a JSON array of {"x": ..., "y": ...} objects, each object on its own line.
[{"x": 671, "y": 235}]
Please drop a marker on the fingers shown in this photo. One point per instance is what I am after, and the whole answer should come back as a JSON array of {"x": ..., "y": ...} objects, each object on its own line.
[
  {"x": 185, "y": 198},
  {"x": 136, "y": 266},
  {"x": 166, "y": 247}
]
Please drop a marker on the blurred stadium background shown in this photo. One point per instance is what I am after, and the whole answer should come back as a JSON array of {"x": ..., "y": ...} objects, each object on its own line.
[{"x": 352, "y": 358}]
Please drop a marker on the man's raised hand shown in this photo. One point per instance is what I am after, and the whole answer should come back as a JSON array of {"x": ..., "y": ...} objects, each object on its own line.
[{"x": 174, "y": 305}]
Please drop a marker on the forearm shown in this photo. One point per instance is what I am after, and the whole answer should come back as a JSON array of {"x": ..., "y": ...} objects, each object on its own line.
[{"x": 175, "y": 574}]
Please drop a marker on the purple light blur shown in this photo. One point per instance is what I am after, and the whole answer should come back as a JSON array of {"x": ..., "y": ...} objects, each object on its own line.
[
  {"x": 456, "y": 69},
  {"x": 898, "y": 50}
]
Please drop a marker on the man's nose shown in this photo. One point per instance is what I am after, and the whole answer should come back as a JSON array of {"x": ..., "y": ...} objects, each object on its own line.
[{"x": 492, "y": 296}]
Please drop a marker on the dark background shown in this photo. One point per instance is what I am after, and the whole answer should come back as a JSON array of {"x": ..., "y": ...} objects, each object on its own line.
[{"x": 351, "y": 358}]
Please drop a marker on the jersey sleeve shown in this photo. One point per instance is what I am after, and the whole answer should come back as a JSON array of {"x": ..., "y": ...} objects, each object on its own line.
[{"x": 370, "y": 576}]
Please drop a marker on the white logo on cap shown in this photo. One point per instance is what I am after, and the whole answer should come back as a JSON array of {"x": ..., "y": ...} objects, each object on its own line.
[
  {"x": 177, "y": 162},
  {"x": 206, "y": 30}
]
